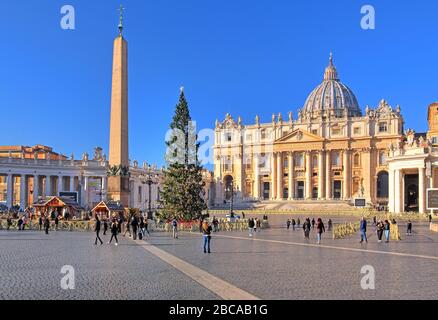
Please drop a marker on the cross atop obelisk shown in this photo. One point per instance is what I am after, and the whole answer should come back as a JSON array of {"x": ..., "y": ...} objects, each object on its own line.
[{"x": 121, "y": 10}]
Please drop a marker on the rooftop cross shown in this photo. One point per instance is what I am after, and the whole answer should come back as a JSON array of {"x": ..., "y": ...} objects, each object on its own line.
[{"x": 121, "y": 10}]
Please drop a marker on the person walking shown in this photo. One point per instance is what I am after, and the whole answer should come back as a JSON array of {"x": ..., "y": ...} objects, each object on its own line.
[
  {"x": 20, "y": 223},
  {"x": 430, "y": 218},
  {"x": 127, "y": 228},
  {"x": 374, "y": 221},
  {"x": 363, "y": 230},
  {"x": 387, "y": 229},
  {"x": 313, "y": 223},
  {"x": 105, "y": 226},
  {"x": 175, "y": 228},
  {"x": 255, "y": 225},
  {"x": 409, "y": 228},
  {"x": 9, "y": 222},
  {"x": 380, "y": 227},
  {"x": 40, "y": 222},
  {"x": 251, "y": 226},
  {"x": 46, "y": 224},
  {"x": 330, "y": 224},
  {"x": 206, "y": 232},
  {"x": 320, "y": 229},
  {"x": 134, "y": 225},
  {"x": 306, "y": 228},
  {"x": 97, "y": 230},
  {"x": 56, "y": 223},
  {"x": 298, "y": 223},
  {"x": 215, "y": 224},
  {"x": 146, "y": 224},
  {"x": 293, "y": 224},
  {"x": 114, "y": 230},
  {"x": 142, "y": 226},
  {"x": 287, "y": 224}
]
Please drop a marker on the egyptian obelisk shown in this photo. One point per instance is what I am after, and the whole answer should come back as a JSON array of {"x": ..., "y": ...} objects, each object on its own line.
[{"x": 118, "y": 185}]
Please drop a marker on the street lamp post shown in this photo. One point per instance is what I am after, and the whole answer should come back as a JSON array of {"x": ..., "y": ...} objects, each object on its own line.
[{"x": 149, "y": 178}]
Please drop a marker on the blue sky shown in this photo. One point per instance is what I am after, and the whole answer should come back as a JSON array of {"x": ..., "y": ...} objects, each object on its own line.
[{"x": 242, "y": 57}]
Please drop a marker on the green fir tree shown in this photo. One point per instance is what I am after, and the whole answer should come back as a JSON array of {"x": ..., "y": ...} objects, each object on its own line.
[{"x": 182, "y": 191}]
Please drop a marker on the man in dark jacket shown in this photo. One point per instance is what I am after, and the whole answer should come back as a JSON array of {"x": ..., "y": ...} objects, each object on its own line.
[
  {"x": 97, "y": 229},
  {"x": 134, "y": 225},
  {"x": 251, "y": 226},
  {"x": 40, "y": 222},
  {"x": 363, "y": 230},
  {"x": 46, "y": 224}
]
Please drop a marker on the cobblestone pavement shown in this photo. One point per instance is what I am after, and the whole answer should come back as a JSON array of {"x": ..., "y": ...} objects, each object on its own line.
[
  {"x": 275, "y": 264},
  {"x": 31, "y": 262}
]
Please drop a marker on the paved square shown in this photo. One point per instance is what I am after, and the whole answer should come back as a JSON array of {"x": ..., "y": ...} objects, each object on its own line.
[{"x": 275, "y": 264}]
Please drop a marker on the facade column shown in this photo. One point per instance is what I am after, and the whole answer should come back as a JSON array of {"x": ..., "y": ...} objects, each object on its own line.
[
  {"x": 36, "y": 186},
  {"x": 256, "y": 186},
  {"x": 72, "y": 183},
  {"x": 347, "y": 178},
  {"x": 308, "y": 175},
  {"x": 421, "y": 191},
  {"x": 398, "y": 196},
  {"x": 280, "y": 176},
  {"x": 85, "y": 192},
  {"x": 10, "y": 191},
  {"x": 48, "y": 186},
  {"x": 291, "y": 185},
  {"x": 391, "y": 191},
  {"x": 23, "y": 198},
  {"x": 321, "y": 169},
  {"x": 273, "y": 176},
  {"x": 328, "y": 174},
  {"x": 60, "y": 185},
  {"x": 104, "y": 189}
]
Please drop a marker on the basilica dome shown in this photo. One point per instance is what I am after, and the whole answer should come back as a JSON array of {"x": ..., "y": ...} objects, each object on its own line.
[{"x": 331, "y": 97}]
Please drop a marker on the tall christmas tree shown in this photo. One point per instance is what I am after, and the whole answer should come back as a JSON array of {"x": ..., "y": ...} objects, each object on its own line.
[{"x": 182, "y": 192}]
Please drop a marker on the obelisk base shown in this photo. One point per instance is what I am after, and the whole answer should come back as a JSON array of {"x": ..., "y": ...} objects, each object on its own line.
[{"x": 118, "y": 189}]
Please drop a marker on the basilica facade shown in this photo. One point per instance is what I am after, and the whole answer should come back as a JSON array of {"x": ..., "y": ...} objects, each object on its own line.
[{"x": 330, "y": 151}]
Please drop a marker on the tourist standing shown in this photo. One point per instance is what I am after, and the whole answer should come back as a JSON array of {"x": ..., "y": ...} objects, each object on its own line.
[
  {"x": 287, "y": 224},
  {"x": 114, "y": 230},
  {"x": 251, "y": 226},
  {"x": 127, "y": 228},
  {"x": 363, "y": 230},
  {"x": 105, "y": 226},
  {"x": 409, "y": 228},
  {"x": 387, "y": 229},
  {"x": 142, "y": 226},
  {"x": 380, "y": 227},
  {"x": 215, "y": 224},
  {"x": 313, "y": 223},
  {"x": 298, "y": 223},
  {"x": 293, "y": 224},
  {"x": 97, "y": 230},
  {"x": 56, "y": 223},
  {"x": 134, "y": 225},
  {"x": 20, "y": 223},
  {"x": 146, "y": 224},
  {"x": 430, "y": 218},
  {"x": 175, "y": 228},
  {"x": 9, "y": 222},
  {"x": 46, "y": 224},
  {"x": 330, "y": 224},
  {"x": 206, "y": 232},
  {"x": 40, "y": 222},
  {"x": 306, "y": 227},
  {"x": 255, "y": 225},
  {"x": 374, "y": 221},
  {"x": 319, "y": 230}
]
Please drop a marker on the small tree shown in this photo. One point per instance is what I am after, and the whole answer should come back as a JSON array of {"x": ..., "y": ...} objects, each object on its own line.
[{"x": 182, "y": 193}]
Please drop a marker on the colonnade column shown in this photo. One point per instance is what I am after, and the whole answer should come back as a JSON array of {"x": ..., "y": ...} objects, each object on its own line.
[
  {"x": 72, "y": 183},
  {"x": 291, "y": 185},
  {"x": 23, "y": 198},
  {"x": 256, "y": 187},
  {"x": 321, "y": 169},
  {"x": 279, "y": 176},
  {"x": 60, "y": 185},
  {"x": 36, "y": 186},
  {"x": 391, "y": 191},
  {"x": 48, "y": 183},
  {"x": 308, "y": 175},
  {"x": 398, "y": 196},
  {"x": 347, "y": 178},
  {"x": 421, "y": 191},
  {"x": 273, "y": 180},
  {"x": 9, "y": 191},
  {"x": 328, "y": 174}
]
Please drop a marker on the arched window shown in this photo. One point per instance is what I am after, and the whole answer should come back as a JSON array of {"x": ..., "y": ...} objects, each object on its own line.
[
  {"x": 336, "y": 159},
  {"x": 382, "y": 158},
  {"x": 315, "y": 161},
  {"x": 382, "y": 185},
  {"x": 356, "y": 160},
  {"x": 299, "y": 160}
]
